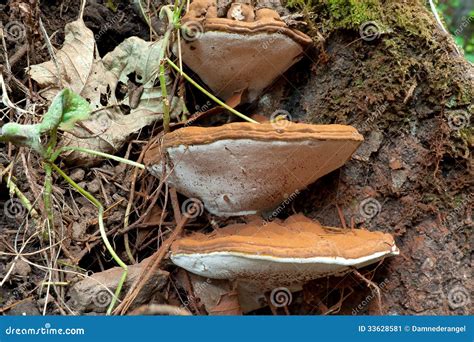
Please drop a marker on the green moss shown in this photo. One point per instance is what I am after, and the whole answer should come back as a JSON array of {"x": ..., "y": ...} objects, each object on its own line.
[
  {"x": 408, "y": 67},
  {"x": 352, "y": 13}
]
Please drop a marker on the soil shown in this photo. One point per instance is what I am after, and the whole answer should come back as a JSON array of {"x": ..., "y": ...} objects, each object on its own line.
[{"x": 407, "y": 90}]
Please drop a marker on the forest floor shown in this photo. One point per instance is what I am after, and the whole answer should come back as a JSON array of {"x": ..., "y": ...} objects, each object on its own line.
[{"x": 407, "y": 91}]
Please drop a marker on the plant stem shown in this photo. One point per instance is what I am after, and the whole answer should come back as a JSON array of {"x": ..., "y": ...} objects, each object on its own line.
[
  {"x": 96, "y": 153},
  {"x": 25, "y": 201},
  {"x": 215, "y": 99},
  {"x": 164, "y": 91},
  {"x": 48, "y": 189},
  {"x": 164, "y": 47},
  {"x": 103, "y": 234}
]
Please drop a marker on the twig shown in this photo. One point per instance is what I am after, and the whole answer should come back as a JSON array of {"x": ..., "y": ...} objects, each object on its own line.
[
  {"x": 212, "y": 97},
  {"x": 103, "y": 234},
  {"x": 83, "y": 6},
  {"x": 25, "y": 201},
  {"x": 97, "y": 153},
  {"x": 374, "y": 286},
  {"x": 150, "y": 268}
]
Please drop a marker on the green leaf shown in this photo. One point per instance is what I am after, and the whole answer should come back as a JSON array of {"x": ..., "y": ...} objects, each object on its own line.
[
  {"x": 75, "y": 109},
  {"x": 66, "y": 109},
  {"x": 22, "y": 135}
]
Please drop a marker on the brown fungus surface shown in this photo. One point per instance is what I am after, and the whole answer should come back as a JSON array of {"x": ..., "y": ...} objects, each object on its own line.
[
  {"x": 242, "y": 52},
  {"x": 245, "y": 168},
  {"x": 290, "y": 251}
]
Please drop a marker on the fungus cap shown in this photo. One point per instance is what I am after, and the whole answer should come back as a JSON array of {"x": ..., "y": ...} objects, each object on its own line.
[
  {"x": 245, "y": 168},
  {"x": 285, "y": 252},
  {"x": 232, "y": 55}
]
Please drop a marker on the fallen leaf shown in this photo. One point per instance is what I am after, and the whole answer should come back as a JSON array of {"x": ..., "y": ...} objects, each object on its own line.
[{"x": 78, "y": 66}]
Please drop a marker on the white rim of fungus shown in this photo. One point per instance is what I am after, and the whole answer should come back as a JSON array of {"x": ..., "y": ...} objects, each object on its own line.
[{"x": 314, "y": 260}]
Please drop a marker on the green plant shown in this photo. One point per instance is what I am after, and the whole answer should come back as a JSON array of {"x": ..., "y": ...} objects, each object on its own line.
[{"x": 66, "y": 109}]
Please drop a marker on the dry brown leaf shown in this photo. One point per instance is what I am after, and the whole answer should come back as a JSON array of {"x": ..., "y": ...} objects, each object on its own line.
[{"x": 78, "y": 66}]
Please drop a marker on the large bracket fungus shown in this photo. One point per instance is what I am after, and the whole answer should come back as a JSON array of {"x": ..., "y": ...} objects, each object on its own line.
[
  {"x": 244, "y": 168},
  {"x": 242, "y": 52},
  {"x": 280, "y": 252}
]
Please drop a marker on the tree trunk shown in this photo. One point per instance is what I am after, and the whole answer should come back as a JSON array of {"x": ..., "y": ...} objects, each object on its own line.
[{"x": 410, "y": 93}]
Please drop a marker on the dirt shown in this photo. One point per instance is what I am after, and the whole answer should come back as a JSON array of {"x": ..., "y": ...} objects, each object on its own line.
[{"x": 407, "y": 91}]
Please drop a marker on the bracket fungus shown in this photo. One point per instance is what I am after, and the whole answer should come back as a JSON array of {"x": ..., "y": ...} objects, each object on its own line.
[
  {"x": 245, "y": 168},
  {"x": 244, "y": 51},
  {"x": 280, "y": 252}
]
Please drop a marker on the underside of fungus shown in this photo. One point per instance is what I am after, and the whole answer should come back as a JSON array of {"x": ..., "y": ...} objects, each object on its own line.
[
  {"x": 250, "y": 47},
  {"x": 280, "y": 252},
  {"x": 244, "y": 168}
]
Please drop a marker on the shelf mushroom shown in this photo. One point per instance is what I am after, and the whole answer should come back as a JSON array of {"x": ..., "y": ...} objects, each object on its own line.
[
  {"x": 245, "y": 50},
  {"x": 245, "y": 168},
  {"x": 280, "y": 253}
]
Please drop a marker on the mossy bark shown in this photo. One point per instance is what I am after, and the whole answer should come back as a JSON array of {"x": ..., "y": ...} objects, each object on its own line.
[{"x": 411, "y": 94}]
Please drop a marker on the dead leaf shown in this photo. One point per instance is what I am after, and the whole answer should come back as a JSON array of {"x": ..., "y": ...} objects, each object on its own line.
[{"x": 78, "y": 66}]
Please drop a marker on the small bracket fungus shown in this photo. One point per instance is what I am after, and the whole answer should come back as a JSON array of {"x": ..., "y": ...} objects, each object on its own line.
[
  {"x": 281, "y": 252},
  {"x": 246, "y": 50},
  {"x": 244, "y": 168}
]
